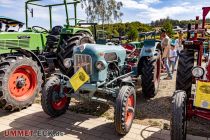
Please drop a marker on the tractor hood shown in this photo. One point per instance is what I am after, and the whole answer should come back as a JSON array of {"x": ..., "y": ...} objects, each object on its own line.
[
  {"x": 25, "y": 40},
  {"x": 98, "y": 51},
  {"x": 88, "y": 55}
]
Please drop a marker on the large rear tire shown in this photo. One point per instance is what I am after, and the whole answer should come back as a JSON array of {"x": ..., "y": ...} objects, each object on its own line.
[
  {"x": 125, "y": 109},
  {"x": 179, "y": 116},
  {"x": 52, "y": 103},
  {"x": 150, "y": 71},
  {"x": 20, "y": 82},
  {"x": 184, "y": 79},
  {"x": 66, "y": 51}
]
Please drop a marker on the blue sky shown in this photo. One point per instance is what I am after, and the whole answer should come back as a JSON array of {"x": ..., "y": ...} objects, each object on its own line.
[{"x": 134, "y": 10}]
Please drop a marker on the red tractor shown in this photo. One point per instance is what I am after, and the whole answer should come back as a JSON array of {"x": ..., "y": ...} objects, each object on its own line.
[{"x": 187, "y": 103}]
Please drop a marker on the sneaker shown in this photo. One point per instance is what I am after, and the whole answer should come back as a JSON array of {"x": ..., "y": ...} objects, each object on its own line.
[{"x": 168, "y": 78}]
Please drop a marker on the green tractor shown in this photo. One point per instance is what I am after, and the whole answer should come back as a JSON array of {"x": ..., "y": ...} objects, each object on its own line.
[{"x": 28, "y": 57}]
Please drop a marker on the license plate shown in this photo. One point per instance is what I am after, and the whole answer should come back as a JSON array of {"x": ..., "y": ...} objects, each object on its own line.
[
  {"x": 79, "y": 79},
  {"x": 202, "y": 97}
]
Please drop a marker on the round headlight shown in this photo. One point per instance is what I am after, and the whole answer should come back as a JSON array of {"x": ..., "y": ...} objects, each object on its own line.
[
  {"x": 67, "y": 63},
  {"x": 100, "y": 65},
  {"x": 197, "y": 72}
]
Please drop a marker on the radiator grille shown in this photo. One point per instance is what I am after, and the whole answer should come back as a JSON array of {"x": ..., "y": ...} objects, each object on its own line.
[{"x": 82, "y": 60}]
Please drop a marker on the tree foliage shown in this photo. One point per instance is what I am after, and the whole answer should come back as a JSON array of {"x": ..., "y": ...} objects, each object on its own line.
[
  {"x": 102, "y": 10},
  {"x": 125, "y": 29},
  {"x": 133, "y": 34},
  {"x": 181, "y": 23},
  {"x": 168, "y": 27}
]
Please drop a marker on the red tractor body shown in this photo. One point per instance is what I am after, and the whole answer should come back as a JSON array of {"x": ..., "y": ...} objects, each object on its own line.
[{"x": 187, "y": 102}]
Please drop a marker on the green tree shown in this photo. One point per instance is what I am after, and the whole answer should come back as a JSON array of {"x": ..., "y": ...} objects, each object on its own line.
[
  {"x": 168, "y": 27},
  {"x": 133, "y": 34},
  {"x": 115, "y": 33},
  {"x": 102, "y": 10}
]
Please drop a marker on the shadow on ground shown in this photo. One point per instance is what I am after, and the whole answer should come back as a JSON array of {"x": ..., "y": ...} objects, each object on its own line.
[{"x": 71, "y": 124}]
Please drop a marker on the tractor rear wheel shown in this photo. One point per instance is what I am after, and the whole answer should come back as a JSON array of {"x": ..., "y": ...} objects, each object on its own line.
[
  {"x": 66, "y": 51},
  {"x": 125, "y": 109},
  {"x": 184, "y": 79},
  {"x": 179, "y": 116},
  {"x": 150, "y": 71},
  {"x": 20, "y": 82},
  {"x": 53, "y": 102}
]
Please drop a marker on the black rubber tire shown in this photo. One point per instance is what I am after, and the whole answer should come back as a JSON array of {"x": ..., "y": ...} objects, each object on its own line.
[
  {"x": 7, "y": 67},
  {"x": 184, "y": 79},
  {"x": 179, "y": 116},
  {"x": 120, "y": 109},
  {"x": 66, "y": 51},
  {"x": 150, "y": 75},
  {"x": 46, "y": 98}
]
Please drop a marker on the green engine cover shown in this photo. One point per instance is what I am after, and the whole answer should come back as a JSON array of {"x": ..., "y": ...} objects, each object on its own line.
[{"x": 26, "y": 40}]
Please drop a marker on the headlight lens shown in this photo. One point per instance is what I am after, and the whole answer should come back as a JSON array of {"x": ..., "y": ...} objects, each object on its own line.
[
  {"x": 198, "y": 72},
  {"x": 82, "y": 48},
  {"x": 100, "y": 65},
  {"x": 67, "y": 63}
]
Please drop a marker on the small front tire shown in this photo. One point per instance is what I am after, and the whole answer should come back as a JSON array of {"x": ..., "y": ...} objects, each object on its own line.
[
  {"x": 52, "y": 103},
  {"x": 179, "y": 116},
  {"x": 125, "y": 109}
]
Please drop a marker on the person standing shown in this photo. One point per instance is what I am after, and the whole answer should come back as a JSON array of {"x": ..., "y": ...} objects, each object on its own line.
[
  {"x": 172, "y": 58},
  {"x": 165, "y": 43},
  {"x": 1, "y": 26},
  {"x": 179, "y": 41}
]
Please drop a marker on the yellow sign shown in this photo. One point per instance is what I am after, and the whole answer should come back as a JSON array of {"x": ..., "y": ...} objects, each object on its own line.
[
  {"x": 202, "y": 97},
  {"x": 79, "y": 79}
]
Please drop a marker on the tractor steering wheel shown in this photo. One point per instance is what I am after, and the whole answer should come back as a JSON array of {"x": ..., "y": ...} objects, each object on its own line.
[{"x": 39, "y": 29}]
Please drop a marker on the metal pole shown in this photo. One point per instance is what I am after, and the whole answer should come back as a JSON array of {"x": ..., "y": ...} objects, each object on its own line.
[
  {"x": 75, "y": 13},
  {"x": 196, "y": 27},
  {"x": 67, "y": 15},
  {"x": 50, "y": 12},
  {"x": 26, "y": 14}
]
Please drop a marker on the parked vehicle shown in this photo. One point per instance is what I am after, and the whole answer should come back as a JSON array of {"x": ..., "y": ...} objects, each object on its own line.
[
  {"x": 187, "y": 103},
  {"x": 28, "y": 57},
  {"x": 103, "y": 73}
]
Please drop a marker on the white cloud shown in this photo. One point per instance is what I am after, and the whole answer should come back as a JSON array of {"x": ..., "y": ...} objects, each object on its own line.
[
  {"x": 142, "y": 4},
  {"x": 133, "y": 4},
  {"x": 6, "y": 3},
  {"x": 179, "y": 10},
  {"x": 148, "y": 2}
]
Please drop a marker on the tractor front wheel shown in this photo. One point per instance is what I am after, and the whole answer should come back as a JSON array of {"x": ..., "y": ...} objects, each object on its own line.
[
  {"x": 53, "y": 102},
  {"x": 20, "y": 82},
  {"x": 179, "y": 116},
  {"x": 125, "y": 109}
]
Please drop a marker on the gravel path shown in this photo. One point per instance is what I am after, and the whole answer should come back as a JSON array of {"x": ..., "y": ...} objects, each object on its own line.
[{"x": 155, "y": 112}]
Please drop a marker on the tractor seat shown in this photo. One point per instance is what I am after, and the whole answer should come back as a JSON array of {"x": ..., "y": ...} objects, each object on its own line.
[{"x": 56, "y": 30}]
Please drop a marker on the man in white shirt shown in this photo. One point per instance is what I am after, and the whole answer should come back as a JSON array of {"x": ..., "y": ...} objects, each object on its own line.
[{"x": 165, "y": 44}]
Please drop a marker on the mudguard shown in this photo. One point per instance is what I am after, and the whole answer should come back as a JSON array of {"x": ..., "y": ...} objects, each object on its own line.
[
  {"x": 149, "y": 48},
  {"x": 127, "y": 81}
]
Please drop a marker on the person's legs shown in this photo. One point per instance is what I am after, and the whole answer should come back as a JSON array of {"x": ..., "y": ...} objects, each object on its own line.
[
  {"x": 173, "y": 66},
  {"x": 167, "y": 67}
]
